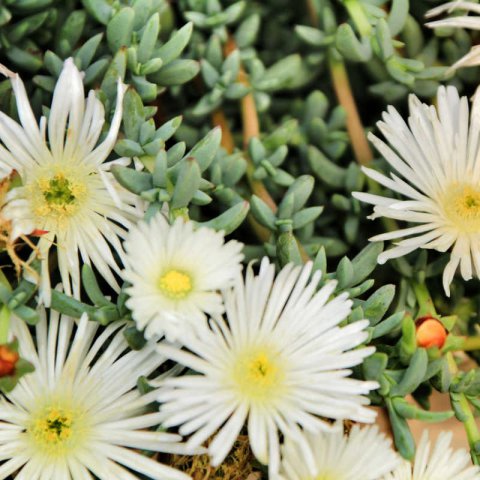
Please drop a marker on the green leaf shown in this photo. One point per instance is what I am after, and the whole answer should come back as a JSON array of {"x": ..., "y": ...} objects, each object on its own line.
[
  {"x": 350, "y": 47},
  {"x": 306, "y": 216},
  {"x": 99, "y": 9},
  {"x": 134, "y": 338},
  {"x": 384, "y": 39},
  {"x": 92, "y": 289},
  {"x": 344, "y": 273},
  {"x": 377, "y": 304},
  {"x": 311, "y": 36},
  {"x": 229, "y": 220},
  {"x": 287, "y": 249},
  {"x": 398, "y": 15},
  {"x": 71, "y": 31},
  {"x": 262, "y": 213},
  {"x": 407, "y": 410},
  {"x": 128, "y": 148},
  {"x": 414, "y": 374},
  {"x": 280, "y": 74},
  {"x": 133, "y": 114},
  {"x": 247, "y": 32},
  {"x": 177, "y": 43},
  {"x": 149, "y": 39},
  {"x": 186, "y": 184},
  {"x": 115, "y": 71},
  {"x": 324, "y": 169},
  {"x": 206, "y": 149},
  {"x": 119, "y": 29},
  {"x": 87, "y": 51},
  {"x": 176, "y": 72},
  {"x": 401, "y": 433},
  {"x": 133, "y": 180}
]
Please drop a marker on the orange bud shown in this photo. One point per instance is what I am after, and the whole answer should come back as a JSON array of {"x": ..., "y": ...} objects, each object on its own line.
[
  {"x": 430, "y": 333},
  {"x": 8, "y": 360}
]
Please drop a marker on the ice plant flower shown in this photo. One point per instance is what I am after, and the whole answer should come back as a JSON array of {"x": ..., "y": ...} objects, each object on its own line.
[
  {"x": 365, "y": 454},
  {"x": 280, "y": 363},
  {"x": 175, "y": 272},
  {"x": 441, "y": 463},
  {"x": 472, "y": 58},
  {"x": 66, "y": 189},
  {"x": 79, "y": 413},
  {"x": 437, "y": 154}
]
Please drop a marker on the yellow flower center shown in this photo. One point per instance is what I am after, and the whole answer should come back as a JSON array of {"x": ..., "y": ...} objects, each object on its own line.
[
  {"x": 57, "y": 193},
  {"x": 258, "y": 374},
  {"x": 462, "y": 207},
  {"x": 175, "y": 284},
  {"x": 56, "y": 430}
]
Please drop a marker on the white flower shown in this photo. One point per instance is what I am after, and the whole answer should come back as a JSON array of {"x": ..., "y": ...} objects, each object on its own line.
[
  {"x": 472, "y": 58},
  {"x": 67, "y": 190},
  {"x": 365, "y": 454},
  {"x": 79, "y": 413},
  {"x": 438, "y": 156},
  {"x": 280, "y": 363},
  {"x": 441, "y": 464},
  {"x": 175, "y": 273}
]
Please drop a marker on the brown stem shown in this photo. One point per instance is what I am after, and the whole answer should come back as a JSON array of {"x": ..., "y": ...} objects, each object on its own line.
[{"x": 356, "y": 132}]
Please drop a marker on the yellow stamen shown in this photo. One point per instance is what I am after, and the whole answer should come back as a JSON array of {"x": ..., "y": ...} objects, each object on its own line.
[
  {"x": 57, "y": 193},
  {"x": 258, "y": 374},
  {"x": 175, "y": 284},
  {"x": 56, "y": 430},
  {"x": 462, "y": 207}
]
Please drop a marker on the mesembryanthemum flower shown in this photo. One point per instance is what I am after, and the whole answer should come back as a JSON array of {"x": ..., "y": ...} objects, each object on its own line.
[
  {"x": 363, "y": 454},
  {"x": 438, "y": 155},
  {"x": 175, "y": 272},
  {"x": 280, "y": 363},
  {"x": 79, "y": 413},
  {"x": 442, "y": 463},
  {"x": 67, "y": 190},
  {"x": 472, "y": 58}
]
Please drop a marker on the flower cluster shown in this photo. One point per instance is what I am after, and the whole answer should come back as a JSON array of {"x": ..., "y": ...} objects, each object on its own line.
[{"x": 168, "y": 291}]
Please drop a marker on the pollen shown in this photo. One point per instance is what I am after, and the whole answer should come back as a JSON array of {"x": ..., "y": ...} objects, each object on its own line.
[
  {"x": 57, "y": 193},
  {"x": 175, "y": 284},
  {"x": 462, "y": 207},
  {"x": 56, "y": 430},
  {"x": 259, "y": 374}
]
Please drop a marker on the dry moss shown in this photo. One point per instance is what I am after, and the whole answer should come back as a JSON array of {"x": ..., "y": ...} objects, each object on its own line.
[{"x": 237, "y": 466}]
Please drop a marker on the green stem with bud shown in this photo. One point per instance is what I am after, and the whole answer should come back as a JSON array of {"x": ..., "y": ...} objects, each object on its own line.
[
  {"x": 464, "y": 414},
  {"x": 424, "y": 300},
  {"x": 4, "y": 324}
]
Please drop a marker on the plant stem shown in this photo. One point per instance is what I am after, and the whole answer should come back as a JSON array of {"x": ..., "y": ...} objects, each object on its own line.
[
  {"x": 424, "y": 300},
  {"x": 219, "y": 119},
  {"x": 343, "y": 91},
  {"x": 4, "y": 324},
  {"x": 251, "y": 129},
  {"x": 461, "y": 403},
  {"x": 470, "y": 343}
]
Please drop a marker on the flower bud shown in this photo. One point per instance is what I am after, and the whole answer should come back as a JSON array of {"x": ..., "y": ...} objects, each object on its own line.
[
  {"x": 8, "y": 360},
  {"x": 430, "y": 332}
]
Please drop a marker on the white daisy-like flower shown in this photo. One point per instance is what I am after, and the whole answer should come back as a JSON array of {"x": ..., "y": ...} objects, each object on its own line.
[
  {"x": 472, "y": 58},
  {"x": 66, "y": 189},
  {"x": 175, "y": 272},
  {"x": 79, "y": 413},
  {"x": 281, "y": 363},
  {"x": 442, "y": 463},
  {"x": 365, "y": 454},
  {"x": 438, "y": 155}
]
